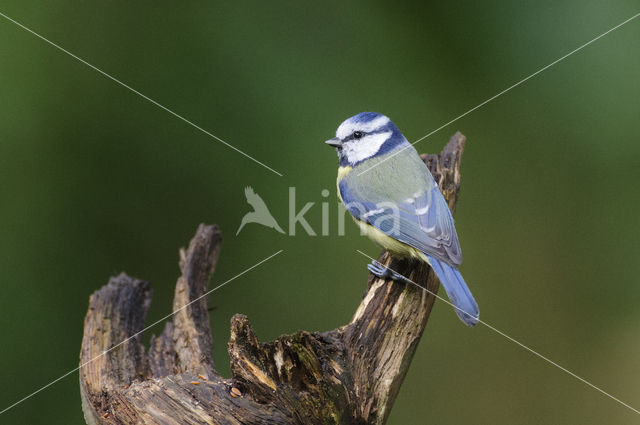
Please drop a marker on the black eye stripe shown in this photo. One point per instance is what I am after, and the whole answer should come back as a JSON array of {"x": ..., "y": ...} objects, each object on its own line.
[
  {"x": 352, "y": 136},
  {"x": 348, "y": 138},
  {"x": 363, "y": 134}
]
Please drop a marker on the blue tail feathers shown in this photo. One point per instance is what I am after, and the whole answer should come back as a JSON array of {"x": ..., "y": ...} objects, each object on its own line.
[{"x": 457, "y": 290}]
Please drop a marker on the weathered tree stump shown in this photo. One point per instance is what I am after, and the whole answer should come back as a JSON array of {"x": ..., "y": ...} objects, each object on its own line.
[{"x": 349, "y": 375}]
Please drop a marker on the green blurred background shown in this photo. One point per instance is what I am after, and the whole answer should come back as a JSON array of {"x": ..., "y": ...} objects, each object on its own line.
[{"x": 95, "y": 180}]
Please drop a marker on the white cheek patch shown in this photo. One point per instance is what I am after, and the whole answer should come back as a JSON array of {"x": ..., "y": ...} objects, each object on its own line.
[
  {"x": 361, "y": 149},
  {"x": 348, "y": 127}
]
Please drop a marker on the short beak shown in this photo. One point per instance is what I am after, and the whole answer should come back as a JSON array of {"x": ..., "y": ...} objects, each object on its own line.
[{"x": 335, "y": 142}]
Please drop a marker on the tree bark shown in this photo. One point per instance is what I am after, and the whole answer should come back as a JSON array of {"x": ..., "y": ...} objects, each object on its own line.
[{"x": 349, "y": 375}]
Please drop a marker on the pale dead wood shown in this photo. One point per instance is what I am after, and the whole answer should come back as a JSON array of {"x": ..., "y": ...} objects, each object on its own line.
[{"x": 349, "y": 375}]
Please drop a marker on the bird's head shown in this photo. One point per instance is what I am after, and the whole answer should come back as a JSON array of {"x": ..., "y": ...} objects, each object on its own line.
[{"x": 365, "y": 136}]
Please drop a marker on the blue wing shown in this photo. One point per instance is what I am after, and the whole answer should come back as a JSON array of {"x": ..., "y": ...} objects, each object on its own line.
[
  {"x": 425, "y": 223},
  {"x": 422, "y": 221}
]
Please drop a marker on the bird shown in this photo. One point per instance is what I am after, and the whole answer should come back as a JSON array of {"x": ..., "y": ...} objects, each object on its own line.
[
  {"x": 392, "y": 196},
  {"x": 260, "y": 213}
]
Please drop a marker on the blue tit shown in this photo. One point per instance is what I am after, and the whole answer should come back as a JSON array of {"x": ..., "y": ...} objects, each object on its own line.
[{"x": 395, "y": 200}]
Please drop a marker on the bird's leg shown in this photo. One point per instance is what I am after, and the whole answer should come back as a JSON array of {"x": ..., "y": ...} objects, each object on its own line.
[{"x": 383, "y": 272}]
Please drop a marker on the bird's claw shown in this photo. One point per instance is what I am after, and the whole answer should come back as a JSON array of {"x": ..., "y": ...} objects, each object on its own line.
[
  {"x": 383, "y": 272},
  {"x": 377, "y": 269}
]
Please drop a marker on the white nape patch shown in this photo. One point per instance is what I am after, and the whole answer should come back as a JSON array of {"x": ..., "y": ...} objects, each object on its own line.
[
  {"x": 360, "y": 149},
  {"x": 348, "y": 127}
]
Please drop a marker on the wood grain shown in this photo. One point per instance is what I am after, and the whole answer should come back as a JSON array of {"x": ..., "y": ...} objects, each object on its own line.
[{"x": 349, "y": 375}]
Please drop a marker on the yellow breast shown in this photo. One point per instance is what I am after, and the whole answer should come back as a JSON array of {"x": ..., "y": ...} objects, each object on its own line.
[
  {"x": 342, "y": 172},
  {"x": 395, "y": 247}
]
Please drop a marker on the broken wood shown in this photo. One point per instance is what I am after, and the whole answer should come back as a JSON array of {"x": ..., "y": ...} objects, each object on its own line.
[{"x": 349, "y": 375}]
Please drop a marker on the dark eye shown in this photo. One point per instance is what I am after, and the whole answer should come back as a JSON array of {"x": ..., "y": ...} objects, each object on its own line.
[{"x": 357, "y": 134}]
